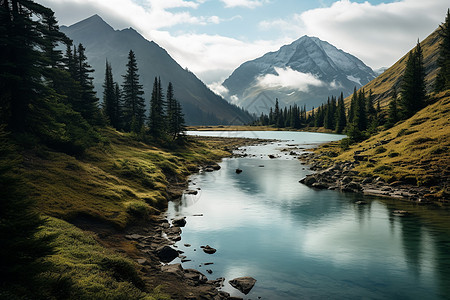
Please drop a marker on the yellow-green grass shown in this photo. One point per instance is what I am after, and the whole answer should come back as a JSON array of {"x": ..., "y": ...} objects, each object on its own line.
[
  {"x": 82, "y": 269},
  {"x": 114, "y": 181},
  {"x": 417, "y": 150},
  {"x": 383, "y": 85}
]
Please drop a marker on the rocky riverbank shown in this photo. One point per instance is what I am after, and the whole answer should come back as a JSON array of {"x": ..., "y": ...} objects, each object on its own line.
[
  {"x": 342, "y": 176},
  {"x": 152, "y": 243}
]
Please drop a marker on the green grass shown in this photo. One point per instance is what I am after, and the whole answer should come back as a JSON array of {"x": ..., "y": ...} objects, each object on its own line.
[
  {"x": 114, "y": 181},
  {"x": 82, "y": 269},
  {"x": 414, "y": 151}
]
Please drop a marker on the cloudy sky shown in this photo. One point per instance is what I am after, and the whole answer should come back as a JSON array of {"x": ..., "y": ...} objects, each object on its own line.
[{"x": 213, "y": 37}]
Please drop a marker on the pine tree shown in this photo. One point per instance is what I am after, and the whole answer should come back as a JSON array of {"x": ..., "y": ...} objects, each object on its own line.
[
  {"x": 133, "y": 101},
  {"x": 361, "y": 116},
  {"x": 157, "y": 116},
  {"x": 277, "y": 114},
  {"x": 372, "y": 116},
  {"x": 88, "y": 104},
  {"x": 353, "y": 105},
  {"x": 443, "y": 77},
  {"x": 341, "y": 120},
  {"x": 393, "y": 116},
  {"x": 171, "y": 111},
  {"x": 118, "y": 105},
  {"x": 413, "y": 93},
  {"x": 21, "y": 250},
  {"x": 110, "y": 100},
  {"x": 320, "y": 115},
  {"x": 24, "y": 40}
]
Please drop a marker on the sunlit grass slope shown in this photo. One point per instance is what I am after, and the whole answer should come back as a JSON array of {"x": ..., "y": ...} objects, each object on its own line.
[
  {"x": 114, "y": 181},
  {"x": 416, "y": 151},
  {"x": 383, "y": 85}
]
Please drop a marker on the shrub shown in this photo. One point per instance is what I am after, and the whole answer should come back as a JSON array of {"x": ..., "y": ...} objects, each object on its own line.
[
  {"x": 393, "y": 154},
  {"x": 382, "y": 169},
  {"x": 380, "y": 150}
]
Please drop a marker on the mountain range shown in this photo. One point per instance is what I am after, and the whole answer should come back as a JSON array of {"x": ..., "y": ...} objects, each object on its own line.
[
  {"x": 304, "y": 72},
  {"x": 200, "y": 105}
]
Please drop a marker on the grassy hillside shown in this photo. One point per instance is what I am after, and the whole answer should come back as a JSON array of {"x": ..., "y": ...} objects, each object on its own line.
[
  {"x": 114, "y": 181},
  {"x": 116, "y": 184},
  {"x": 382, "y": 85},
  {"x": 415, "y": 151}
]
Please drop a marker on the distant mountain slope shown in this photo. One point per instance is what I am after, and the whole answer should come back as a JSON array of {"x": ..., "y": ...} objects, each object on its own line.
[
  {"x": 200, "y": 104},
  {"x": 304, "y": 72},
  {"x": 382, "y": 85}
]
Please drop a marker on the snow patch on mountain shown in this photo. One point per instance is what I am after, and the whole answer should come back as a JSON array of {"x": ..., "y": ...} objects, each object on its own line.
[{"x": 354, "y": 79}]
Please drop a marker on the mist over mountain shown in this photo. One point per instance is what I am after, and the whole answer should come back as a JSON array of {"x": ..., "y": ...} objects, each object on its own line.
[
  {"x": 200, "y": 105},
  {"x": 304, "y": 72}
]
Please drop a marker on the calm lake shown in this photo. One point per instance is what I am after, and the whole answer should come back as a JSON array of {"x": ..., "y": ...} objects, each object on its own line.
[{"x": 302, "y": 243}]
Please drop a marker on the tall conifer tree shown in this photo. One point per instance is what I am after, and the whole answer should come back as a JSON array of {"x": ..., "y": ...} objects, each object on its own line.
[
  {"x": 341, "y": 119},
  {"x": 413, "y": 92},
  {"x": 157, "y": 117},
  {"x": 132, "y": 95}
]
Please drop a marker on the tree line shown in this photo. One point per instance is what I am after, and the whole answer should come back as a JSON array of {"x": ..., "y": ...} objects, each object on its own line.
[{"x": 124, "y": 108}]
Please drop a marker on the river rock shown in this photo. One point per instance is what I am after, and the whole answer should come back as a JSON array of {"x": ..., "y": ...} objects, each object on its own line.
[
  {"x": 218, "y": 282},
  {"x": 208, "y": 249},
  {"x": 166, "y": 253},
  {"x": 309, "y": 180},
  {"x": 243, "y": 284},
  {"x": 352, "y": 187},
  {"x": 238, "y": 171},
  {"x": 320, "y": 185},
  {"x": 196, "y": 276},
  {"x": 191, "y": 192},
  {"x": 175, "y": 269},
  {"x": 180, "y": 222}
]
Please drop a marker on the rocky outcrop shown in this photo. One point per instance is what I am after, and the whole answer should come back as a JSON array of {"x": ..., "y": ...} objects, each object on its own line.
[
  {"x": 342, "y": 176},
  {"x": 166, "y": 253},
  {"x": 243, "y": 284},
  {"x": 179, "y": 222}
]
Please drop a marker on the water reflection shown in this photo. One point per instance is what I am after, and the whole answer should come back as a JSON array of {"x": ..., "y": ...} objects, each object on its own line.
[{"x": 304, "y": 243}]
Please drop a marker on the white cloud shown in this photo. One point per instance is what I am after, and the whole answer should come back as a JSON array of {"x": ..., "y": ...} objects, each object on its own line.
[
  {"x": 211, "y": 57},
  {"x": 243, "y": 3},
  {"x": 146, "y": 16},
  {"x": 288, "y": 78},
  {"x": 218, "y": 88},
  {"x": 377, "y": 34}
]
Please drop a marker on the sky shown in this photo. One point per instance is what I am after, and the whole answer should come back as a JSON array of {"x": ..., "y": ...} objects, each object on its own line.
[{"x": 213, "y": 37}]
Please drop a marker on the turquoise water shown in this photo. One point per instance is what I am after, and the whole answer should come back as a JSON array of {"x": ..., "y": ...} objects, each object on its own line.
[{"x": 302, "y": 243}]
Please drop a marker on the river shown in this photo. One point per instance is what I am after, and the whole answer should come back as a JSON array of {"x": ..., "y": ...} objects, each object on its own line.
[{"x": 302, "y": 243}]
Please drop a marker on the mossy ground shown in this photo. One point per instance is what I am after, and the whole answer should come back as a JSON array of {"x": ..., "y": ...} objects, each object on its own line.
[
  {"x": 82, "y": 269},
  {"x": 113, "y": 181},
  {"x": 118, "y": 183}
]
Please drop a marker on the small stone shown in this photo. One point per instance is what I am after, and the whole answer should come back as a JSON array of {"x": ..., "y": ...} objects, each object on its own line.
[
  {"x": 179, "y": 222},
  {"x": 208, "y": 249},
  {"x": 243, "y": 284}
]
